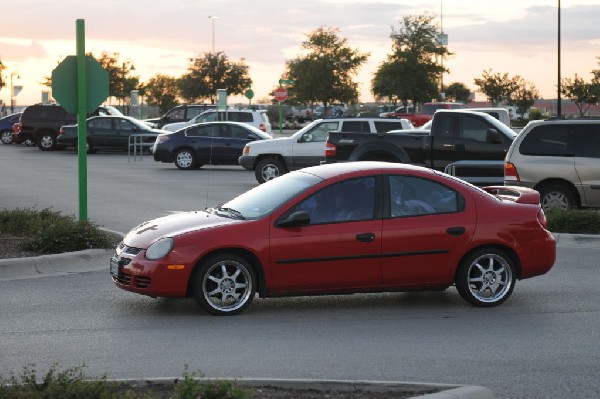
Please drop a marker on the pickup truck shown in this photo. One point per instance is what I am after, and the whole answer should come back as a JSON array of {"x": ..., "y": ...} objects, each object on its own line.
[
  {"x": 426, "y": 114},
  {"x": 455, "y": 135},
  {"x": 271, "y": 158}
]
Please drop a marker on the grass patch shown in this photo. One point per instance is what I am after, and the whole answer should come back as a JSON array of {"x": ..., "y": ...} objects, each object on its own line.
[
  {"x": 49, "y": 232},
  {"x": 73, "y": 384}
]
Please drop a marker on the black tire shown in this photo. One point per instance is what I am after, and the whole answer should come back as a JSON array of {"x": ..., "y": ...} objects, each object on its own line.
[
  {"x": 47, "y": 142},
  {"x": 268, "y": 169},
  {"x": 6, "y": 137},
  {"x": 486, "y": 277},
  {"x": 185, "y": 159},
  {"x": 224, "y": 284},
  {"x": 557, "y": 196}
]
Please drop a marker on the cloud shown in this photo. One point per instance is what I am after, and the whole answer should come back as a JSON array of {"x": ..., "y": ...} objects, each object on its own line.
[{"x": 17, "y": 52}]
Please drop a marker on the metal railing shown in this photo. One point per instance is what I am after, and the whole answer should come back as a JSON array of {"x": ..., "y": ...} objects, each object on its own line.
[
  {"x": 136, "y": 146},
  {"x": 485, "y": 172}
]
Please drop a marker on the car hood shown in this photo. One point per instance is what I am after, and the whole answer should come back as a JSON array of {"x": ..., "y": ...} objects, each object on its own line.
[{"x": 173, "y": 225}]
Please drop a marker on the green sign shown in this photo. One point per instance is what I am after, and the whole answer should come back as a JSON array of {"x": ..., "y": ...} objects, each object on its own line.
[
  {"x": 286, "y": 82},
  {"x": 64, "y": 83},
  {"x": 249, "y": 94}
]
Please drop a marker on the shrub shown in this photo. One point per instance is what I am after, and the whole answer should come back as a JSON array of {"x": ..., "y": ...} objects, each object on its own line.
[
  {"x": 49, "y": 232},
  {"x": 574, "y": 221}
]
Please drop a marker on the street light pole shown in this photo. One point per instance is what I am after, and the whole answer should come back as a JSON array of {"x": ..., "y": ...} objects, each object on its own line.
[
  {"x": 12, "y": 91},
  {"x": 558, "y": 101},
  {"x": 213, "y": 17}
]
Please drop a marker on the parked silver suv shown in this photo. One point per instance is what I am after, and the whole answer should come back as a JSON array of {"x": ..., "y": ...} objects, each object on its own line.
[{"x": 560, "y": 158}]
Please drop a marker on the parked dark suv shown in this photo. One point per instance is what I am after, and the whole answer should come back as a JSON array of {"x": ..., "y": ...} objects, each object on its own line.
[
  {"x": 40, "y": 124},
  {"x": 180, "y": 113},
  {"x": 560, "y": 158}
]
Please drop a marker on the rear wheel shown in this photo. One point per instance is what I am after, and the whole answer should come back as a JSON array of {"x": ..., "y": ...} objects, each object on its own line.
[
  {"x": 185, "y": 159},
  {"x": 268, "y": 169},
  {"x": 7, "y": 137},
  {"x": 556, "y": 196},
  {"x": 47, "y": 142},
  {"x": 486, "y": 277},
  {"x": 225, "y": 284}
]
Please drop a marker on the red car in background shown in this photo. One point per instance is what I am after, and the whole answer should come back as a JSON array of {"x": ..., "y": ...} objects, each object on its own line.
[
  {"x": 342, "y": 228},
  {"x": 427, "y": 111}
]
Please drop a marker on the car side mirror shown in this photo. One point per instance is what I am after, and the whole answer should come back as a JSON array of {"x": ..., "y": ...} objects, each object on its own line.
[{"x": 296, "y": 219}]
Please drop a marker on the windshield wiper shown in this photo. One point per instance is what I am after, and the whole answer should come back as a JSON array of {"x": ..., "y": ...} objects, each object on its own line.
[{"x": 231, "y": 211}]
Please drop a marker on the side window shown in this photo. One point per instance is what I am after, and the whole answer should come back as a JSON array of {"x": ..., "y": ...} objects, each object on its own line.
[
  {"x": 413, "y": 196},
  {"x": 244, "y": 117},
  {"x": 319, "y": 133},
  {"x": 203, "y": 131},
  {"x": 238, "y": 132},
  {"x": 103, "y": 123},
  {"x": 386, "y": 126},
  {"x": 350, "y": 200},
  {"x": 122, "y": 124},
  {"x": 548, "y": 140},
  {"x": 193, "y": 112},
  {"x": 587, "y": 140},
  {"x": 355, "y": 127},
  {"x": 474, "y": 129},
  {"x": 208, "y": 117},
  {"x": 176, "y": 114}
]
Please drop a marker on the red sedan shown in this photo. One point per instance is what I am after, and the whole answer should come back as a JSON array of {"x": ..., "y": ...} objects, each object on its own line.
[{"x": 342, "y": 228}]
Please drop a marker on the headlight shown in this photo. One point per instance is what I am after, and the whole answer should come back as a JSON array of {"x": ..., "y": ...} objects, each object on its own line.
[{"x": 160, "y": 248}]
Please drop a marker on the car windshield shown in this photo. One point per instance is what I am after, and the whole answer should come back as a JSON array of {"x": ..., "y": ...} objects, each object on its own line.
[{"x": 267, "y": 197}]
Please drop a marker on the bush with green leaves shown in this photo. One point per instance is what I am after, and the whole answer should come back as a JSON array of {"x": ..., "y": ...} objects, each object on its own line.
[
  {"x": 574, "y": 221},
  {"x": 49, "y": 232}
]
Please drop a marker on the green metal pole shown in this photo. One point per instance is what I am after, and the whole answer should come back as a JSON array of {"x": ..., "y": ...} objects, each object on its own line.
[
  {"x": 81, "y": 119},
  {"x": 280, "y": 118}
]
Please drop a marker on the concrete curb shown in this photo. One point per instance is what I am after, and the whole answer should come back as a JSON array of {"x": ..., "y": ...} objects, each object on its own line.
[
  {"x": 445, "y": 391},
  {"x": 577, "y": 240},
  {"x": 57, "y": 264}
]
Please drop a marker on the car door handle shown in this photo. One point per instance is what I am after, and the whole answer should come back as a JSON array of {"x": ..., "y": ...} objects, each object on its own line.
[
  {"x": 455, "y": 231},
  {"x": 365, "y": 237}
]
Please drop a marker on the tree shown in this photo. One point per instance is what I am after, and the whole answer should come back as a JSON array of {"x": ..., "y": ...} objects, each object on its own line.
[
  {"x": 523, "y": 95},
  {"x": 581, "y": 93},
  {"x": 324, "y": 72},
  {"x": 213, "y": 71},
  {"x": 162, "y": 91},
  {"x": 458, "y": 92},
  {"x": 2, "y": 67},
  {"x": 120, "y": 81},
  {"x": 412, "y": 71},
  {"x": 495, "y": 87}
]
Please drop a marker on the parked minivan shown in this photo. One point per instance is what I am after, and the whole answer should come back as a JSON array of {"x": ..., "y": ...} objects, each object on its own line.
[{"x": 560, "y": 158}]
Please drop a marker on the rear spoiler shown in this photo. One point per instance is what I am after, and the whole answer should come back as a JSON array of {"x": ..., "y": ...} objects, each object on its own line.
[{"x": 520, "y": 195}]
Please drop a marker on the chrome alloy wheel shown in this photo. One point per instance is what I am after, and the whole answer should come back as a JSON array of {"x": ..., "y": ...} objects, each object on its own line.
[
  {"x": 227, "y": 286},
  {"x": 489, "y": 278},
  {"x": 184, "y": 160}
]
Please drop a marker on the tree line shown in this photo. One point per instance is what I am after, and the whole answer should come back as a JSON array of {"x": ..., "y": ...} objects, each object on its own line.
[{"x": 325, "y": 70}]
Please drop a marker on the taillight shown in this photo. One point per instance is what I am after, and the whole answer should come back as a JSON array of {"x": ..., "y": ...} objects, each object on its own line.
[
  {"x": 17, "y": 127},
  {"x": 246, "y": 150},
  {"x": 510, "y": 172},
  {"x": 541, "y": 216},
  {"x": 61, "y": 130},
  {"x": 263, "y": 127},
  {"x": 330, "y": 150},
  {"x": 161, "y": 138}
]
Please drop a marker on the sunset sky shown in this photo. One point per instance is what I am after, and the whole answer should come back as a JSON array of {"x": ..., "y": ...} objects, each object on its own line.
[{"x": 518, "y": 37}]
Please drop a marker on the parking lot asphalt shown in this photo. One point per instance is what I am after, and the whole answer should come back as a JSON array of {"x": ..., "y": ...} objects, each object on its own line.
[{"x": 98, "y": 259}]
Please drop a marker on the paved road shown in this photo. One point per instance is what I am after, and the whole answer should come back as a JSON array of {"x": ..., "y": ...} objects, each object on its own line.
[{"x": 543, "y": 342}]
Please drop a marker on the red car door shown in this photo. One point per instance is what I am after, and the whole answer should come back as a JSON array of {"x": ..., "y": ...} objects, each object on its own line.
[
  {"x": 340, "y": 248},
  {"x": 424, "y": 237}
]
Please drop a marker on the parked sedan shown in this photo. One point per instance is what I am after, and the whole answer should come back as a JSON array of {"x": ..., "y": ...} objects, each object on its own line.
[
  {"x": 110, "y": 132},
  {"x": 342, "y": 228},
  {"x": 6, "y": 127},
  {"x": 213, "y": 143}
]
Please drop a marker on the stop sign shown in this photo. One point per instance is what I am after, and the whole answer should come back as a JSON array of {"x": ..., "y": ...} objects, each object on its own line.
[{"x": 280, "y": 94}]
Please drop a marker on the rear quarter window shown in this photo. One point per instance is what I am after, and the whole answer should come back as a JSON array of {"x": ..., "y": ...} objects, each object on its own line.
[
  {"x": 548, "y": 140},
  {"x": 587, "y": 140},
  {"x": 386, "y": 126}
]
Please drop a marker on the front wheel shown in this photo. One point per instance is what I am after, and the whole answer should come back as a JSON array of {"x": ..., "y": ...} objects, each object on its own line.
[
  {"x": 185, "y": 159},
  {"x": 268, "y": 169},
  {"x": 7, "y": 137},
  {"x": 486, "y": 277},
  {"x": 225, "y": 284}
]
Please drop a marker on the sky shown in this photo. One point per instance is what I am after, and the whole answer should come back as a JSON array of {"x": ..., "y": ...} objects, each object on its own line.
[{"x": 518, "y": 37}]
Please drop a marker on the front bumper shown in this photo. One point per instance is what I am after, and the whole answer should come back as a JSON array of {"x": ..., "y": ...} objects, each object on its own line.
[{"x": 247, "y": 161}]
